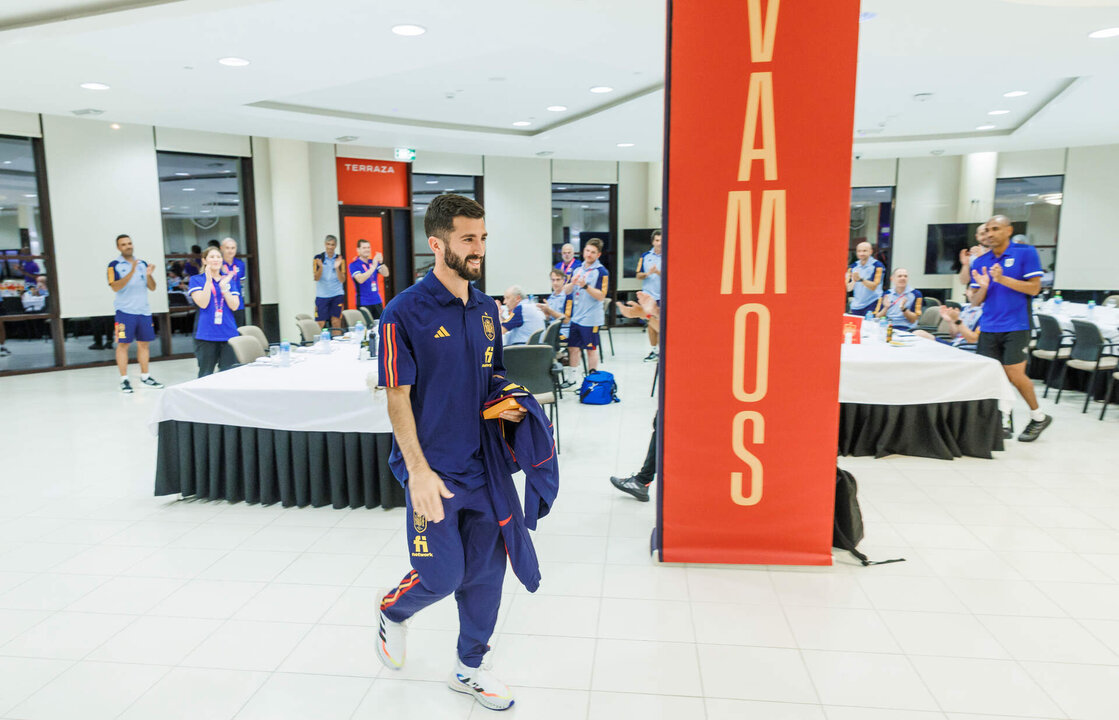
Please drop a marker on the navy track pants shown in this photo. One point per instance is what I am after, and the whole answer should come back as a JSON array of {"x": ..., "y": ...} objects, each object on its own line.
[{"x": 463, "y": 554}]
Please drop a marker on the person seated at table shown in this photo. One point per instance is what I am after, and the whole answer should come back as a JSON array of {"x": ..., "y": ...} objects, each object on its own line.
[
  {"x": 901, "y": 305},
  {"x": 967, "y": 255},
  {"x": 558, "y": 305},
  {"x": 34, "y": 298},
  {"x": 958, "y": 325},
  {"x": 864, "y": 279},
  {"x": 524, "y": 318},
  {"x": 217, "y": 297}
]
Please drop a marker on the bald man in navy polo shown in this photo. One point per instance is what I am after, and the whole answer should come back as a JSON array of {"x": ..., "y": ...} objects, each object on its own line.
[{"x": 440, "y": 348}]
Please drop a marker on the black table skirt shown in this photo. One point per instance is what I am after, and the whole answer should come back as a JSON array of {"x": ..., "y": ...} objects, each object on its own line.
[
  {"x": 220, "y": 462},
  {"x": 937, "y": 430}
]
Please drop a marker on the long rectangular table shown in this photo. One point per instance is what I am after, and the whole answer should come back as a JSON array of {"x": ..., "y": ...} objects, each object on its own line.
[
  {"x": 309, "y": 434},
  {"x": 1105, "y": 318},
  {"x": 925, "y": 399}
]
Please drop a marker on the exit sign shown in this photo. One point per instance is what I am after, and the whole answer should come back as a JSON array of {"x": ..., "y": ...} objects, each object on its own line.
[{"x": 405, "y": 154}]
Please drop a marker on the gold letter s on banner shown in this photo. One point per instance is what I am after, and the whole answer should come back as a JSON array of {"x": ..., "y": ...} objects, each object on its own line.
[{"x": 738, "y": 434}]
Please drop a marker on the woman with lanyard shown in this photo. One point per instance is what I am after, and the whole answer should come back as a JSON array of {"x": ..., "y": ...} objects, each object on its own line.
[{"x": 217, "y": 299}]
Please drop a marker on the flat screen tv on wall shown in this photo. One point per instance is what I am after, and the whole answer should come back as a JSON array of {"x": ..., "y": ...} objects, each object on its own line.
[{"x": 946, "y": 240}]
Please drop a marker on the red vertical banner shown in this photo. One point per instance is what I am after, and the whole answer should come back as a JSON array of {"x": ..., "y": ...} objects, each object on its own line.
[
  {"x": 759, "y": 115},
  {"x": 354, "y": 228}
]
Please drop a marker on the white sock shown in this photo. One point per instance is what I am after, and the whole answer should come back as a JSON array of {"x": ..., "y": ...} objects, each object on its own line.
[
  {"x": 1037, "y": 415},
  {"x": 123, "y": 378},
  {"x": 144, "y": 376}
]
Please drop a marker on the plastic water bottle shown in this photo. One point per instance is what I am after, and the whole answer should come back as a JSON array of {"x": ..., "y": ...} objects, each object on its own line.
[
  {"x": 359, "y": 331},
  {"x": 285, "y": 354},
  {"x": 324, "y": 341},
  {"x": 883, "y": 324},
  {"x": 1057, "y": 299},
  {"x": 1091, "y": 308},
  {"x": 869, "y": 324}
]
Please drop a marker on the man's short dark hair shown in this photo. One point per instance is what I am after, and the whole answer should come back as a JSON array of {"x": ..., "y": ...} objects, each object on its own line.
[
  {"x": 596, "y": 243},
  {"x": 556, "y": 272},
  {"x": 362, "y": 240},
  {"x": 441, "y": 213},
  {"x": 331, "y": 237},
  {"x": 214, "y": 243},
  {"x": 196, "y": 249},
  {"x": 121, "y": 237},
  {"x": 656, "y": 233}
]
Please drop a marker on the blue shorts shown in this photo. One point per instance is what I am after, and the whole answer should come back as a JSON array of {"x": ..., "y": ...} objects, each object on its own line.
[
  {"x": 329, "y": 308},
  {"x": 582, "y": 336},
  {"x": 131, "y": 327}
]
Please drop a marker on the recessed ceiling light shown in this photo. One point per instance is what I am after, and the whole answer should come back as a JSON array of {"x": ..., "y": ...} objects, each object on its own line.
[
  {"x": 879, "y": 191},
  {"x": 166, "y": 208},
  {"x": 1033, "y": 195},
  {"x": 522, "y": 123},
  {"x": 998, "y": 112},
  {"x": 7, "y": 162},
  {"x": 602, "y": 89},
  {"x": 115, "y": 126},
  {"x": 183, "y": 174},
  {"x": 432, "y": 182},
  {"x": 1015, "y": 93},
  {"x": 30, "y": 195},
  {"x": 227, "y": 171},
  {"x": 94, "y": 86},
  {"x": 562, "y": 188},
  {"x": 586, "y": 207},
  {"x": 1105, "y": 33},
  {"x": 1029, "y": 202},
  {"x": 599, "y": 197},
  {"x": 409, "y": 30},
  {"x": 205, "y": 211},
  {"x": 985, "y": 127},
  {"x": 188, "y": 189},
  {"x": 557, "y": 108},
  {"x": 233, "y": 61},
  {"x": 625, "y": 144},
  {"x": 346, "y": 138}
]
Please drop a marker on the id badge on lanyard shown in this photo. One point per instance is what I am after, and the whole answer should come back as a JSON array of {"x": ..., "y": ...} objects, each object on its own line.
[{"x": 219, "y": 301}]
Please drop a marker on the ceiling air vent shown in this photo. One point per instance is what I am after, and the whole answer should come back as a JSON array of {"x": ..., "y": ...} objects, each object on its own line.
[{"x": 88, "y": 111}]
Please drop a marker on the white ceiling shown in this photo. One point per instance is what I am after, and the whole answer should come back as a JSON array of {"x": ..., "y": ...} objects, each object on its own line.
[{"x": 329, "y": 68}]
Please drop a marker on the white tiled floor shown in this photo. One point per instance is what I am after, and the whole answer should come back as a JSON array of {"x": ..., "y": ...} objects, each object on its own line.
[{"x": 117, "y": 604}]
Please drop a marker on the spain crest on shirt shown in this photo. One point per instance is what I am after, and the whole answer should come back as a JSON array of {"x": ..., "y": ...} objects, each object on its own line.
[{"x": 487, "y": 326}]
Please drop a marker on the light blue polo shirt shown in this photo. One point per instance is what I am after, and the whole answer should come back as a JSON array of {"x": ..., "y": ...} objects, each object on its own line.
[
  {"x": 525, "y": 319},
  {"x": 651, "y": 284},
  {"x": 895, "y": 303},
  {"x": 328, "y": 284},
  {"x": 864, "y": 296},
  {"x": 133, "y": 297},
  {"x": 587, "y": 311}
]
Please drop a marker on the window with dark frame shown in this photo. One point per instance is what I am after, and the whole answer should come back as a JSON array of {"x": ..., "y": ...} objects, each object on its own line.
[
  {"x": 425, "y": 187},
  {"x": 29, "y": 325},
  {"x": 1033, "y": 205}
]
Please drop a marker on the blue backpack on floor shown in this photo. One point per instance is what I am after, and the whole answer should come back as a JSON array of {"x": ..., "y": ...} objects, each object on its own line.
[{"x": 598, "y": 388}]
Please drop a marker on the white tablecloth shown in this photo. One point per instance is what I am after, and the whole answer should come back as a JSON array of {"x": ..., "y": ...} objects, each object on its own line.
[
  {"x": 316, "y": 393},
  {"x": 1105, "y": 318},
  {"x": 924, "y": 372}
]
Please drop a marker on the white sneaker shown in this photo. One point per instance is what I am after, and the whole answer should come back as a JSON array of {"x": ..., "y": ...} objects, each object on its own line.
[
  {"x": 490, "y": 692},
  {"x": 391, "y": 642}
]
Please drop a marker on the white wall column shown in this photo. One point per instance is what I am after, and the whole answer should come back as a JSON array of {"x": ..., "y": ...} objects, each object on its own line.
[
  {"x": 977, "y": 187},
  {"x": 292, "y": 231}
]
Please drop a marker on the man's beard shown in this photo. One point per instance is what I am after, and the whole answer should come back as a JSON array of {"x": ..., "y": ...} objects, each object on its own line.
[{"x": 458, "y": 264}]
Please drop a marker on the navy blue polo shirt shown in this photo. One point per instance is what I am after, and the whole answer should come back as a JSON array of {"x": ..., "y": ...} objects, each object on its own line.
[
  {"x": 1004, "y": 309},
  {"x": 448, "y": 352},
  {"x": 205, "y": 327}
]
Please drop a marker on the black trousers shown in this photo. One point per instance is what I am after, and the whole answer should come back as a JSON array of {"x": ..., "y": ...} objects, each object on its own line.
[
  {"x": 374, "y": 310},
  {"x": 648, "y": 471},
  {"x": 239, "y": 316},
  {"x": 211, "y": 353}
]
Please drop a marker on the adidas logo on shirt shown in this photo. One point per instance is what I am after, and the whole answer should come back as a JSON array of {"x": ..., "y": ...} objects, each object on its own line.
[{"x": 442, "y": 332}]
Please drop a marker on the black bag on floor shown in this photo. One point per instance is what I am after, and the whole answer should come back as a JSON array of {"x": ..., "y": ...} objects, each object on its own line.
[{"x": 848, "y": 530}]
